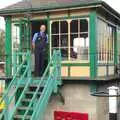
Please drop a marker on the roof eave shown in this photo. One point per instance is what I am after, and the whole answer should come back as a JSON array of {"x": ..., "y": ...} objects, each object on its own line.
[
  {"x": 110, "y": 10},
  {"x": 98, "y": 4},
  {"x": 22, "y": 11}
]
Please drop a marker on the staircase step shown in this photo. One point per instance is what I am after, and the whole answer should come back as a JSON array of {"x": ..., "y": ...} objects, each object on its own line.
[
  {"x": 32, "y": 92},
  {"x": 34, "y": 87},
  {"x": 19, "y": 117},
  {"x": 26, "y": 100},
  {"x": 24, "y": 108}
]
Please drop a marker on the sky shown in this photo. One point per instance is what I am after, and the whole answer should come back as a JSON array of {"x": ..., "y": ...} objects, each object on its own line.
[{"x": 113, "y": 3}]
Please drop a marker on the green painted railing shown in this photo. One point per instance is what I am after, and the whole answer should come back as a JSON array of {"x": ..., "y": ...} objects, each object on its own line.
[
  {"x": 52, "y": 75},
  {"x": 22, "y": 71},
  {"x": 22, "y": 68}
]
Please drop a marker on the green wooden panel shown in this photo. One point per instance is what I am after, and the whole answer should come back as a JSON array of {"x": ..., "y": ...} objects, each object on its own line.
[
  {"x": 8, "y": 46},
  {"x": 93, "y": 43}
]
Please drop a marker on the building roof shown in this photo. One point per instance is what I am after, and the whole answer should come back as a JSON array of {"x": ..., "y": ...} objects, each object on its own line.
[{"x": 46, "y": 5}]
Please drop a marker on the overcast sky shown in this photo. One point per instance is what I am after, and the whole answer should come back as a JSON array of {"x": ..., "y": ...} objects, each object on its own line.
[{"x": 114, "y": 3}]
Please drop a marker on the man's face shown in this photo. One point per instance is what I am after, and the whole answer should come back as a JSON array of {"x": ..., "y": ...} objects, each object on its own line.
[{"x": 42, "y": 28}]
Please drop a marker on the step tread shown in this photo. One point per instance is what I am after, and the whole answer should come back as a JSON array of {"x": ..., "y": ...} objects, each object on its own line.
[
  {"x": 21, "y": 116},
  {"x": 26, "y": 100},
  {"x": 34, "y": 85},
  {"x": 32, "y": 92},
  {"x": 24, "y": 108}
]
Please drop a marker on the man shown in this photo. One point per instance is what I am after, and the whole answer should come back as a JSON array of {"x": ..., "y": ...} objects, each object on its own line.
[{"x": 39, "y": 44}]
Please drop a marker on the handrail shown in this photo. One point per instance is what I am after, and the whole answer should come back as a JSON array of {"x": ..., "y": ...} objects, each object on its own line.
[
  {"x": 54, "y": 62},
  {"x": 53, "y": 78},
  {"x": 14, "y": 80},
  {"x": 28, "y": 69}
]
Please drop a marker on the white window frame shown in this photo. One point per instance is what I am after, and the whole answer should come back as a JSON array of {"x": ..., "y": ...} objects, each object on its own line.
[{"x": 69, "y": 36}]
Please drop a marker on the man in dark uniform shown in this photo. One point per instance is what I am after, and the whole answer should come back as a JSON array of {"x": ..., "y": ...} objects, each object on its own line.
[{"x": 39, "y": 44}]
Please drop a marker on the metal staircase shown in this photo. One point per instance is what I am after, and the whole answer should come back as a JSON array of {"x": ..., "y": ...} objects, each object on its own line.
[{"x": 35, "y": 93}]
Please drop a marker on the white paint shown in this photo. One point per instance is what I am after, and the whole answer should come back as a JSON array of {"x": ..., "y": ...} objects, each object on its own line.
[{"x": 113, "y": 100}]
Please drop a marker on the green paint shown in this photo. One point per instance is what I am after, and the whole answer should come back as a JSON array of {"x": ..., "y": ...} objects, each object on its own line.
[
  {"x": 93, "y": 47},
  {"x": 8, "y": 46},
  {"x": 76, "y": 78},
  {"x": 50, "y": 86},
  {"x": 93, "y": 88},
  {"x": 105, "y": 64},
  {"x": 17, "y": 84},
  {"x": 25, "y": 31},
  {"x": 75, "y": 64},
  {"x": 70, "y": 17},
  {"x": 20, "y": 47}
]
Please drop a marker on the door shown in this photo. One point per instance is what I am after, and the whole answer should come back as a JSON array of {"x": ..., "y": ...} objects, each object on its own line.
[{"x": 35, "y": 28}]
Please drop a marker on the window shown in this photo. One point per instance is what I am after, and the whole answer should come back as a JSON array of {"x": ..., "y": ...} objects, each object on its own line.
[
  {"x": 59, "y": 37},
  {"x": 105, "y": 37},
  {"x": 72, "y": 38},
  {"x": 79, "y": 39},
  {"x": 15, "y": 36}
]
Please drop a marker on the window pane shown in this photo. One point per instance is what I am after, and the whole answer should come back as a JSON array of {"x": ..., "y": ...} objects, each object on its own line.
[
  {"x": 64, "y": 27},
  {"x": 55, "y": 40},
  {"x": 80, "y": 53},
  {"x": 15, "y": 36},
  {"x": 80, "y": 48},
  {"x": 55, "y": 27},
  {"x": 64, "y": 40},
  {"x": 83, "y": 25},
  {"x": 64, "y": 53},
  {"x": 84, "y": 35},
  {"x": 74, "y": 26},
  {"x": 73, "y": 36},
  {"x": 105, "y": 38}
]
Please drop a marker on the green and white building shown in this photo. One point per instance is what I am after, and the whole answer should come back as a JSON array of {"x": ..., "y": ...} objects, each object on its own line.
[{"x": 87, "y": 32}]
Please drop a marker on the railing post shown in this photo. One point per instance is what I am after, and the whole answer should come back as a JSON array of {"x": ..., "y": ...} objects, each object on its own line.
[
  {"x": 29, "y": 64},
  {"x": 6, "y": 114},
  {"x": 59, "y": 68},
  {"x": 57, "y": 71},
  {"x": 14, "y": 62}
]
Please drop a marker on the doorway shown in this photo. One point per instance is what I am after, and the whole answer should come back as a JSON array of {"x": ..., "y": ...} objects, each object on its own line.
[{"x": 35, "y": 28}]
